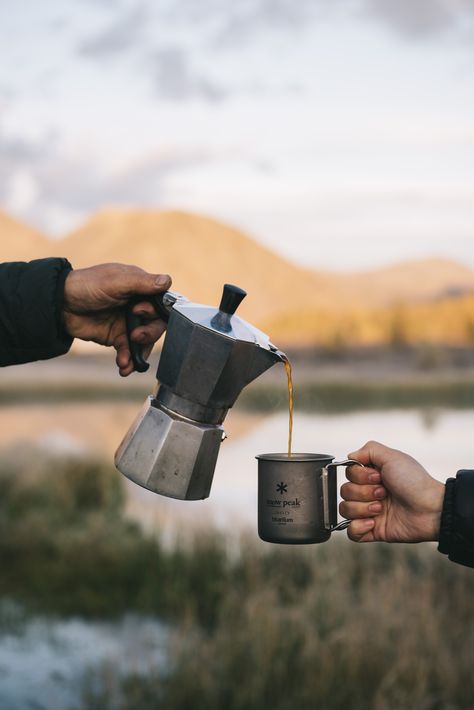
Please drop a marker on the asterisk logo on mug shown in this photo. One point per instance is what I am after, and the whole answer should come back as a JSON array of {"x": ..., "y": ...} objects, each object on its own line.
[{"x": 282, "y": 488}]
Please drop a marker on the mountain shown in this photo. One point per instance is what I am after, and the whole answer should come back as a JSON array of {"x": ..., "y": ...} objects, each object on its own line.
[
  {"x": 18, "y": 242},
  {"x": 413, "y": 281},
  {"x": 419, "y": 299},
  {"x": 201, "y": 254}
]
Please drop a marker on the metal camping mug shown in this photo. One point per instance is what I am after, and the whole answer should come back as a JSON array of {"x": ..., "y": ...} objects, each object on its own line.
[{"x": 297, "y": 497}]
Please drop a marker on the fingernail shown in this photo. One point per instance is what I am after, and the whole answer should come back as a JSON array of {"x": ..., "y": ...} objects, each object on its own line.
[
  {"x": 379, "y": 492},
  {"x": 374, "y": 477},
  {"x": 375, "y": 507},
  {"x": 369, "y": 523},
  {"x": 162, "y": 280}
]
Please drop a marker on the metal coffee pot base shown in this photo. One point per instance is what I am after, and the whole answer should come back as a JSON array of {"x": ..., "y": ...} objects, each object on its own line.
[{"x": 169, "y": 454}]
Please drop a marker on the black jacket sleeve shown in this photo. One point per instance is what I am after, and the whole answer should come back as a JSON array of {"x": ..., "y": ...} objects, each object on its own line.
[
  {"x": 31, "y": 301},
  {"x": 456, "y": 537}
]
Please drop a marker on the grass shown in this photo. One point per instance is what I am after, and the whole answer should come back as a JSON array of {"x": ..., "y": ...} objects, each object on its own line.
[
  {"x": 66, "y": 547},
  {"x": 333, "y": 627},
  {"x": 255, "y": 626}
]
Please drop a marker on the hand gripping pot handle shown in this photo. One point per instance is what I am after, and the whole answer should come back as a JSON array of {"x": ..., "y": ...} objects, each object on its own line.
[
  {"x": 162, "y": 303},
  {"x": 329, "y": 480}
]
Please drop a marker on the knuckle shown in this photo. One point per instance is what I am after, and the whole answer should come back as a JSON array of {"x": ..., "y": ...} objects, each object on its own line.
[
  {"x": 351, "y": 473},
  {"x": 352, "y": 535},
  {"x": 345, "y": 490},
  {"x": 367, "y": 493}
]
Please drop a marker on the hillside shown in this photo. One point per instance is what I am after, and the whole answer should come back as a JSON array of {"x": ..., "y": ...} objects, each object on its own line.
[
  {"x": 428, "y": 299},
  {"x": 445, "y": 321},
  {"x": 18, "y": 242},
  {"x": 412, "y": 281},
  {"x": 201, "y": 254}
]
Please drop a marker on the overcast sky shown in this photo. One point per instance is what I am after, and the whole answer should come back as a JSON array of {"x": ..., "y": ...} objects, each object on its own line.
[{"x": 338, "y": 132}]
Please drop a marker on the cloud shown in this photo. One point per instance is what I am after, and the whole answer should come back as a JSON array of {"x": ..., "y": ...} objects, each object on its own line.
[
  {"x": 74, "y": 185},
  {"x": 16, "y": 153},
  {"x": 168, "y": 67},
  {"x": 240, "y": 21},
  {"x": 175, "y": 79},
  {"x": 143, "y": 29},
  {"x": 123, "y": 33},
  {"x": 245, "y": 19},
  {"x": 421, "y": 17}
]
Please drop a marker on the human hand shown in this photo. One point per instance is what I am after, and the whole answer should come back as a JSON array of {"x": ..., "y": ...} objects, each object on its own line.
[
  {"x": 94, "y": 308},
  {"x": 392, "y": 499}
]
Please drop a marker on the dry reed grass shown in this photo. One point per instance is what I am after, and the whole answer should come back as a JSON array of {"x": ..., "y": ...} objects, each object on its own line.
[{"x": 255, "y": 626}]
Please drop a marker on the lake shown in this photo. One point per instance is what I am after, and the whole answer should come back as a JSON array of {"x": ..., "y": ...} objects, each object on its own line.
[
  {"x": 44, "y": 663},
  {"x": 439, "y": 438}
]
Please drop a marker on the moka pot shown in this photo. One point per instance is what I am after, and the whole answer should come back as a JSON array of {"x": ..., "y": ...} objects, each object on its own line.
[{"x": 209, "y": 355}]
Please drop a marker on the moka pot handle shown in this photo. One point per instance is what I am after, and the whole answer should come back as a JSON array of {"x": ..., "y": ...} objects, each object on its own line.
[{"x": 162, "y": 304}]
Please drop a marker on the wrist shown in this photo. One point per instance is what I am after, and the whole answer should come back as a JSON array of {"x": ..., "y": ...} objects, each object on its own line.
[
  {"x": 434, "y": 502},
  {"x": 68, "y": 315},
  {"x": 70, "y": 289}
]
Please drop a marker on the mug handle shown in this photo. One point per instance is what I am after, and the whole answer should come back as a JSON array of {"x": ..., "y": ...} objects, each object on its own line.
[{"x": 329, "y": 479}]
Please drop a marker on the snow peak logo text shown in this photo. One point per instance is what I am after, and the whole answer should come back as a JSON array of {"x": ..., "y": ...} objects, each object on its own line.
[{"x": 278, "y": 503}]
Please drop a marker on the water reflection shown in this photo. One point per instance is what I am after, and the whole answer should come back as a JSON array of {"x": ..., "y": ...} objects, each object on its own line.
[
  {"x": 440, "y": 439},
  {"x": 43, "y": 662}
]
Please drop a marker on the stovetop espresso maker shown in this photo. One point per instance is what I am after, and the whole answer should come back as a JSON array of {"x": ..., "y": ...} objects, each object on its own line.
[{"x": 209, "y": 355}]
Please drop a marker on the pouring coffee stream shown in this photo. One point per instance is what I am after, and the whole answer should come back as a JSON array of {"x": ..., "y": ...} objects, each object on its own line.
[
  {"x": 289, "y": 376},
  {"x": 209, "y": 355}
]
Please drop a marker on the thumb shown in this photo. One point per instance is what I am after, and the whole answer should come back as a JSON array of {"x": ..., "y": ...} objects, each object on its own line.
[
  {"x": 372, "y": 453},
  {"x": 140, "y": 282}
]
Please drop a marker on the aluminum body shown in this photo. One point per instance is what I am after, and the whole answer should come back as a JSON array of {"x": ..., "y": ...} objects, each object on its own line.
[
  {"x": 297, "y": 498},
  {"x": 168, "y": 454},
  {"x": 208, "y": 357}
]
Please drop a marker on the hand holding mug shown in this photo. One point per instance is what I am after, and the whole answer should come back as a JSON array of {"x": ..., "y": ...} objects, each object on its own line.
[
  {"x": 392, "y": 498},
  {"x": 297, "y": 497}
]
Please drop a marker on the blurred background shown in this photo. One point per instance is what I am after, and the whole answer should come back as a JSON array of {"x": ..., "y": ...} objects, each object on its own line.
[{"x": 321, "y": 156}]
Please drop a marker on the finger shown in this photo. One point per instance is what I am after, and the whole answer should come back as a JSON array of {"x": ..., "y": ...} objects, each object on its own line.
[
  {"x": 131, "y": 280},
  {"x": 373, "y": 453},
  {"x": 149, "y": 333},
  {"x": 354, "y": 509},
  {"x": 145, "y": 309},
  {"x": 352, "y": 491},
  {"x": 362, "y": 474},
  {"x": 123, "y": 358},
  {"x": 361, "y": 530},
  {"x": 124, "y": 363}
]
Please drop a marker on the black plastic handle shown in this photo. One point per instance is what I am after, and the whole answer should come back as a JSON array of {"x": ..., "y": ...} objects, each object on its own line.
[
  {"x": 232, "y": 297},
  {"x": 133, "y": 320}
]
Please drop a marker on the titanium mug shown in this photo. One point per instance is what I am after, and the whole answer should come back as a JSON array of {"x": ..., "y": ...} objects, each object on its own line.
[{"x": 297, "y": 497}]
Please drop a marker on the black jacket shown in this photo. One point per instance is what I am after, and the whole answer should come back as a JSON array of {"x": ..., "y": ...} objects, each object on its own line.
[
  {"x": 456, "y": 538},
  {"x": 31, "y": 304}
]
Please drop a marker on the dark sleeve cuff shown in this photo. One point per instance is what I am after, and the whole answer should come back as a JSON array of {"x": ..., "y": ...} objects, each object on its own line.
[
  {"x": 457, "y": 519},
  {"x": 447, "y": 515},
  {"x": 31, "y": 306},
  {"x": 63, "y": 335}
]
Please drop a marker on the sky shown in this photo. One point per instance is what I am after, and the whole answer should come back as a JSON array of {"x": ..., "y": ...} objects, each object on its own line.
[{"x": 338, "y": 133}]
